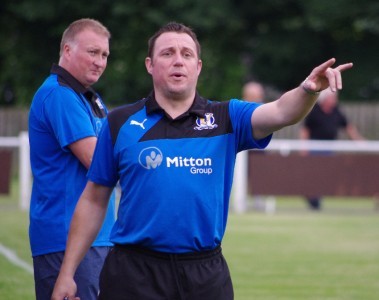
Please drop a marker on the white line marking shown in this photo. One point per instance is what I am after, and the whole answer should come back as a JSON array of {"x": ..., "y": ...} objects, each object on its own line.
[{"x": 13, "y": 258}]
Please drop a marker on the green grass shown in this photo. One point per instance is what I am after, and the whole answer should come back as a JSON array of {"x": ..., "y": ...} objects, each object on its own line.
[
  {"x": 298, "y": 254},
  {"x": 293, "y": 254},
  {"x": 15, "y": 282}
]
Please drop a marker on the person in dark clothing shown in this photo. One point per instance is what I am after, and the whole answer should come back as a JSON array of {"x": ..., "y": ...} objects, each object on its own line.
[{"x": 324, "y": 122}]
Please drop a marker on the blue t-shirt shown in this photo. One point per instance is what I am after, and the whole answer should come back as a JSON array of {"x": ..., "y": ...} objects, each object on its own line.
[
  {"x": 60, "y": 115},
  {"x": 175, "y": 175}
]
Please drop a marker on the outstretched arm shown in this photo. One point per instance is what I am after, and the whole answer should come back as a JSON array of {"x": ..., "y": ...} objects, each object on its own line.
[
  {"x": 294, "y": 105},
  {"x": 85, "y": 225}
]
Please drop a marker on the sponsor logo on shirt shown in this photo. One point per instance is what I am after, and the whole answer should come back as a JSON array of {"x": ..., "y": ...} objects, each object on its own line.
[
  {"x": 208, "y": 122},
  {"x": 152, "y": 158},
  {"x": 134, "y": 122}
]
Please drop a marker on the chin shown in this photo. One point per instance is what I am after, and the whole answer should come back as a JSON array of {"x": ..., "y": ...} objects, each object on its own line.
[{"x": 92, "y": 81}]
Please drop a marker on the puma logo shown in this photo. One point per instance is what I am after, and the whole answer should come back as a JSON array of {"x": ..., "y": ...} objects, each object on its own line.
[{"x": 133, "y": 122}]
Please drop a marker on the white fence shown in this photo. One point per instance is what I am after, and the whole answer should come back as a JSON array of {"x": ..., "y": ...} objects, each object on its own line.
[
  {"x": 285, "y": 147},
  {"x": 25, "y": 175}
]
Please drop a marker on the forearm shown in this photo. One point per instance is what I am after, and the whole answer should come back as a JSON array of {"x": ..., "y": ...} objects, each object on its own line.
[
  {"x": 289, "y": 109},
  {"x": 85, "y": 225},
  {"x": 294, "y": 105},
  {"x": 87, "y": 220},
  {"x": 83, "y": 149},
  {"x": 353, "y": 133}
]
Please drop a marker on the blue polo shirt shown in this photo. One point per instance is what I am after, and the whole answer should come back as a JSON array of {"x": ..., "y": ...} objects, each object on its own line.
[
  {"x": 175, "y": 174},
  {"x": 60, "y": 115}
]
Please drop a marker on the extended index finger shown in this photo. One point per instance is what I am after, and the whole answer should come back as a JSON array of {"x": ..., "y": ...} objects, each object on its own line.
[
  {"x": 324, "y": 66},
  {"x": 344, "y": 67}
]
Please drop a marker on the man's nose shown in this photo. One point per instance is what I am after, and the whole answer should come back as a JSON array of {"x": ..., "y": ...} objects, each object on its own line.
[
  {"x": 101, "y": 61},
  {"x": 178, "y": 59}
]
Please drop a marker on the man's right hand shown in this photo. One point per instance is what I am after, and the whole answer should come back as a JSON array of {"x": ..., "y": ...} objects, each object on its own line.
[{"x": 64, "y": 289}]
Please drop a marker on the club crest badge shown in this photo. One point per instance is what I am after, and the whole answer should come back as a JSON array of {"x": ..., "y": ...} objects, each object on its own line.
[{"x": 208, "y": 122}]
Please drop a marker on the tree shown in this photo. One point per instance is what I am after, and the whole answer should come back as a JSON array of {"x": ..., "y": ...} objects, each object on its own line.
[
  {"x": 274, "y": 41},
  {"x": 288, "y": 38}
]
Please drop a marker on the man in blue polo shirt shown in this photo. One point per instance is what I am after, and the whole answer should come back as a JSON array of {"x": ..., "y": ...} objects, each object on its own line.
[
  {"x": 173, "y": 153},
  {"x": 65, "y": 119}
]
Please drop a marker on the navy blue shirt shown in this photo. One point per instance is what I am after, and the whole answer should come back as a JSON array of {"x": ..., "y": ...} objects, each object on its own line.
[{"x": 176, "y": 174}]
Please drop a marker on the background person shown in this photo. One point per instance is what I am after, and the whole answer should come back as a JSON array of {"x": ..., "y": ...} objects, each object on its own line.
[
  {"x": 324, "y": 123},
  {"x": 173, "y": 153},
  {"x": 65, "y": 118},
  {"x": 253, "y": 91}
]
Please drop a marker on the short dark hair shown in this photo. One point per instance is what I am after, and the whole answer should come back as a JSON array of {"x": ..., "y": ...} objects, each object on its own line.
[{"x": 173, "y": 27}]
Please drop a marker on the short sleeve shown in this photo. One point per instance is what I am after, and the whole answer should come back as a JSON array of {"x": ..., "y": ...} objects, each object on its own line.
[
  {"x": 103, "y": 168},
  {"x": 68, "y": 116},
  {"x": 240, "y": 115}
]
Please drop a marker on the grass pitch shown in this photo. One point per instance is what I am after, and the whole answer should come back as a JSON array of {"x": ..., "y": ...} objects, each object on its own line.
[
  {"x": 298, "y": 254},
  {"x": 292, "y": 254}
]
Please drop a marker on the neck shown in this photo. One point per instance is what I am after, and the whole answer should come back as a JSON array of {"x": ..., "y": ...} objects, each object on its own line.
[{"x": 174, "y": 106}]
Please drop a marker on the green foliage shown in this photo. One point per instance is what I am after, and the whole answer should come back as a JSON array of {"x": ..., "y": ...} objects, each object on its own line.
[
  {"x": 275, "y": 41},
  {"x": 292, "y": 37}
]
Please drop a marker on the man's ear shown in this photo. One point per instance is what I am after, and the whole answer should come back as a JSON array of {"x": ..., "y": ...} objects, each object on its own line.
[
  {"x": 199, "y": 66},
  {"x": 149, "y": 65},
  {"x": 67, "y": 49}
]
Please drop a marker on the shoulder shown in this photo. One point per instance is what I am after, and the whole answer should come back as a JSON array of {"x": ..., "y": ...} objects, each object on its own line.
[
  {"x": 122, "y": 113},
  {"x": 52, "y": 89},
  {"x": 237, "y": 106},
  {"x": 51, "y": 95},
  {"x": 119, "y": 115}
]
